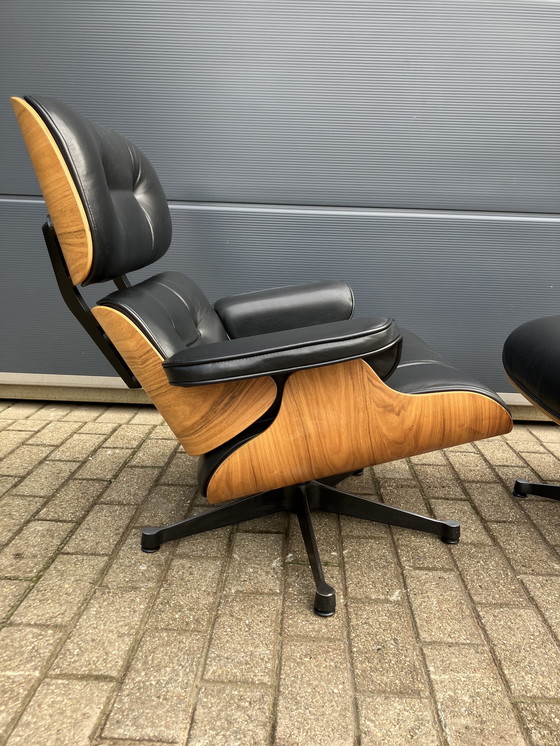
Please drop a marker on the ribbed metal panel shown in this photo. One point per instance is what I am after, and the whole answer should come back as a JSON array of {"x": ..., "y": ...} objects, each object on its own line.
[
  {"x": 455, "y": 279},
  {"x": 401, "y": 103}
]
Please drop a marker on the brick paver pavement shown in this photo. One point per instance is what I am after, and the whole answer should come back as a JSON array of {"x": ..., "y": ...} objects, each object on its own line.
[{"x": 212, "y": 639}]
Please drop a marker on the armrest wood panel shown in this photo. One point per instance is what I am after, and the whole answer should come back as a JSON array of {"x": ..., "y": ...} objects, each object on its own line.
[{"x": 201, "y": 418}]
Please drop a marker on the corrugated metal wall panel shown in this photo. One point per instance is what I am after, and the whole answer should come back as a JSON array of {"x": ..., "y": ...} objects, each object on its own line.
[{"x": 447, "y": 108}]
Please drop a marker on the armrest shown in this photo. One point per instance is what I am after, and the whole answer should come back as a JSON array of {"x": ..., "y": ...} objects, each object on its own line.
[
  {"x": 285, "y": 308},
  {"x": 288, "y": 350}
]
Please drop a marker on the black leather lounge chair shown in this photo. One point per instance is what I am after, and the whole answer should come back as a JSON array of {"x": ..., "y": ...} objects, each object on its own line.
[
  {"x": 280, "y": 392},
  {"x": 531, "y": 358}
]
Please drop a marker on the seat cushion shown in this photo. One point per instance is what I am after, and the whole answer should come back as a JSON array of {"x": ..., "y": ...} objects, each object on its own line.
[
  {"x": 423, "y": 371},
  {"x": 531, "y": 359}
]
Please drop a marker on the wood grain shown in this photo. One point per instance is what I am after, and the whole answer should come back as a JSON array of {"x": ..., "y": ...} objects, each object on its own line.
[
  {"x": 202, "y": 417},
  {"x": 342, "y": 417},
  {"x": 63, "y": 201}
]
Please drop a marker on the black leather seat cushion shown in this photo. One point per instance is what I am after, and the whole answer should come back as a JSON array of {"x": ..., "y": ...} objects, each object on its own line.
[
  {"x": 531, "y": 359},
  {"x": 423, "y": 371}
]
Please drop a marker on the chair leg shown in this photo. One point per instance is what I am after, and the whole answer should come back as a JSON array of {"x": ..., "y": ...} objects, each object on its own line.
[
  {"x": 345, "y": 503},
  {"x": 325, "y": 594},
  {"x": 246, "y": 509},
  {"x": 523, "y": 488}
]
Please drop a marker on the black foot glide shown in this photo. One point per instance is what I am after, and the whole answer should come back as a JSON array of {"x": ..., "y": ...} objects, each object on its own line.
[
  {"x": 523, "y": 488},
  {"x": 301, "y": 499}
]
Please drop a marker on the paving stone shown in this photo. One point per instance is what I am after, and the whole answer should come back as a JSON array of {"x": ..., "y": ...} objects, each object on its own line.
[
  {"x": 131, "y": 486},
  {"x": 127, "y": 436},
  {"x": 133, "y": 568},
  {"x": 14, "y": 691},
  {"x": 244, "y": 644},
  {"x": 461, "y": 448},
  {"x": 488, "y": 576},
  {"x": 545, "y": 465},
  {"x": 72, "y": 501},
  {"x": 494, "y": 502},
  {"x": 386, "y": 656},
  {"x": 102, "y": 638},
  {"x": 61, "y": 591},
  {"x": 327, "y": 533},
  {"x": 440, "y": 608},
  {"x": 26, "y": 650},
  {"x": 62, "y": 713},
  {"x": 315, "y": 701},
  {"x": 100, "y": 530},
  {"x": 118, "y": 415},
  {"x": 85, "y": 413},
  {"x": 508, "y": 475},
  {"x": 299, "y": 618},
  {"x": 32, "y": 548},
  {"x": 371, "y": 570},
  {"x": 438, "y": 480},
  {"x": 164, "y": 504},
  {"x": 182, "y": 469},
  {"x": 256, "y": 563},
  {"x": 46, "y": 478},
  {"x": 10, "y": 593},
  {"x": 546, "y": 516},
  {"x": 525, "y": 549},
  {"x": 403, "y": 495},
  {"x": 471, "y": 699},
  {"x": 526, "y": 651},
  {"x": 21, "y": 410},
  {"x": 471, "y": 467},
  {"x": 275, "y": 523},
  {"x": 156, "y": 698},
  {"x": 394, "y": 721},
  {"x": 32, "y": 426},
  {"x": 393, "y": 470},
  {"x": 15, "y": 512},
  {"x": 154, "y": 453},
  {"x": 54, "y": 433},
  {"x": 422, "y": 551},
  {"x": 360, "y": 484},
  {"x": 188, "y": 594},
  {"x": 499, "y": 453},
  {"x": 147, "y": 415},
  {"x": 519, "y": 433},
  {"x": 542, "y": 720},
  {"x": 545, "y": 590},
  {"x": 50, "y": 411},
  {"x": 212, "y": 543},
  {"x": 472, "y": 528},
  {"x": 23, "y": 460},
  {"x": 104, "y": 463},
  {"x": 98, "y": 428},
  {"x": 547, "y": 432},
  {"x": 6, "y": 483},
  {"x": 78, "y": 447},
  {"x": 434, "y": 458},
  {"x": 163, "y": 431},
  {"x": 232, "y": 716},
  {"x": 12, "y": 439}
]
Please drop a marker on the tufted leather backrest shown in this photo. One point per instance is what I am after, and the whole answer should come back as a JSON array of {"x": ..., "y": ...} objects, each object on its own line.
[{"x": 122, "y": 198}]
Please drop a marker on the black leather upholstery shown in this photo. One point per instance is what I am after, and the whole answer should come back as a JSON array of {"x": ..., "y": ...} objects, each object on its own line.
[
  {"x": 288, "y": 350},
  {"x": 171, "y": 310},
  {"x": 285, "y": 308},
  {"x": 423, "y": 371},
  {"x": 124, "y": 202},
  {"x": 531, "y": 358}
]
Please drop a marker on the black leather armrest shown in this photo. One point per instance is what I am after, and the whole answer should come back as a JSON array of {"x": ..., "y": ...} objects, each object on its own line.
[
  {"x": 285, "y": 308},
  {"x": 280, "y": 352}
]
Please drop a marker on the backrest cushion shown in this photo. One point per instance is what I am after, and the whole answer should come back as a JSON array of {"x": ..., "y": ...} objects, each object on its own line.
[{"x": 121, "y": 194}]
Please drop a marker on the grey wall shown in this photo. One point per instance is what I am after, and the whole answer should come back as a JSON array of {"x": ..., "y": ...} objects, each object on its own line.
[{"x": 409, "y": 147}]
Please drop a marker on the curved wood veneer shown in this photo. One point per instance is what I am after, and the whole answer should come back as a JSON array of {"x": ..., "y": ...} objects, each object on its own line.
[
  {"x": 342, "y": 417},
  {"x": 63, "y": 201},
  {"x": 202, "y": 417}
]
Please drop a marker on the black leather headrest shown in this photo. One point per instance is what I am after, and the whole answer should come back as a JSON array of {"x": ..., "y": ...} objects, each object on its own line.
[{"x": 122, "y": 196}]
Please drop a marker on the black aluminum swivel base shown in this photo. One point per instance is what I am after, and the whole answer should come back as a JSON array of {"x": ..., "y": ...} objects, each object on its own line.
[
  {"x": 301, "y": 499},
  {"x": 523, "y": 488}
]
